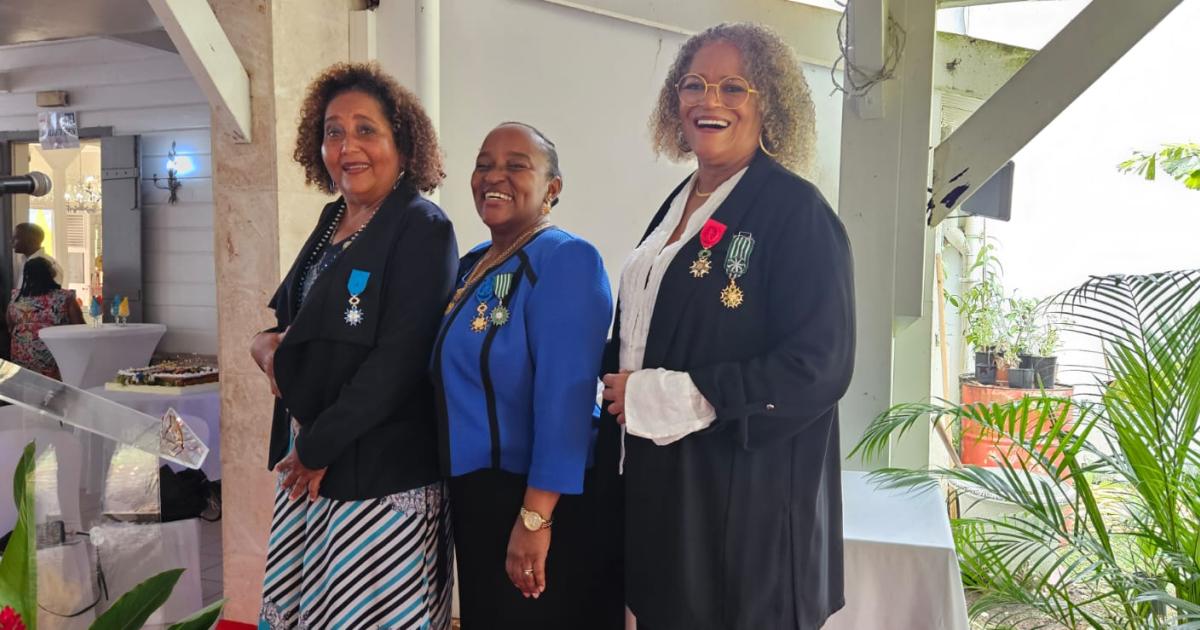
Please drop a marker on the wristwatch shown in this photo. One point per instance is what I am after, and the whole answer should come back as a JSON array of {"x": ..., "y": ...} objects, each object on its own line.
[{"x": 534, "y": 521}]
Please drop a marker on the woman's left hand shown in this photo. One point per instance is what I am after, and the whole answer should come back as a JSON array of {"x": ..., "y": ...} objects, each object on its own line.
[
  {"x": 526, "y": 559},
  {"x": 299, "y": 479},
  {"x": 614, "y": 391}
]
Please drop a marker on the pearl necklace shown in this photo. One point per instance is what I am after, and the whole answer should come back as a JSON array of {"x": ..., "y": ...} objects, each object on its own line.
[{"x": 327, "y": 239}]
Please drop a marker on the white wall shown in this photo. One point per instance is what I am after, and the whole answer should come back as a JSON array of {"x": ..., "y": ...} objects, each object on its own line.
[
  {"x": 589, "y": 83},
  {"x": 1074, "y": 215},
  {"x": 148, "y": 92}
]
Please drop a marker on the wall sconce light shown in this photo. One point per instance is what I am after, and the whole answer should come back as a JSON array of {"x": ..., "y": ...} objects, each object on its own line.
[{"x": 171, "y": 182}]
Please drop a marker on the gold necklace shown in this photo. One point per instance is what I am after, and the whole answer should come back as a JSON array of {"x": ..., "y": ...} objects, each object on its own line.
[
  {"x": 696, "y": 189},
  {"x": 486, "y": 263}
]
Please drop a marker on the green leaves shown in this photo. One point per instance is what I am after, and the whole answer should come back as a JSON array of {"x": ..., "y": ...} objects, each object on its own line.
[
  {"x": 18, "y": 567},
  {"x": 202, "y": 619},
  {"x": 131, "y": 611},
  {"x": 1181, "y": 161},
  {"x": 1105, "y": 487}
]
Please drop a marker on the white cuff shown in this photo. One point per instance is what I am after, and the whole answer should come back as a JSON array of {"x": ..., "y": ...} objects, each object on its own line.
[{"x": 665, "y": 406}]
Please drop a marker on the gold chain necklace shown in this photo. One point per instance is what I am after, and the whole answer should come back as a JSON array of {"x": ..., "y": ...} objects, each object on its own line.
[{"x": 486, "y": 264}]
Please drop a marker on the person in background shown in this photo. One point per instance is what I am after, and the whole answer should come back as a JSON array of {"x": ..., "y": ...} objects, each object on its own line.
[
  {"x": 27, "y": 241},
  {"x": 39, "y": 303},
  {"x": 516, "y": 366},
  {"x": 360, "y": 536},
  {"x": 733, "y": 344}
]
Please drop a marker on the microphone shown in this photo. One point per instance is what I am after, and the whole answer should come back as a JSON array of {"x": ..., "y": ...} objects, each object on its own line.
[{"x": 34, "y": 184}]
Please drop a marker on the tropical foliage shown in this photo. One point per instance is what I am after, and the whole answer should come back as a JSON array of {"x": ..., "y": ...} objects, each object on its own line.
[
  {"x": 1181, "y": 161},
  {"x": 1106, "y": 528}
]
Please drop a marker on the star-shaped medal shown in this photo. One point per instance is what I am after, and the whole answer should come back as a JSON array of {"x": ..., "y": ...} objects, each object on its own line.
[
  {"x": 479, "y": 324},
  {"x": 354, "y": 316},
  {"x": 731, "y": 296},
  {"x": 700, "y": 267},
  {"x": 499, "y": 316}
]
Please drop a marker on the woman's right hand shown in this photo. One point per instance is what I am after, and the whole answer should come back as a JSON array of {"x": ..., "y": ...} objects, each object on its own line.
[{"x": 262, "y": 349}]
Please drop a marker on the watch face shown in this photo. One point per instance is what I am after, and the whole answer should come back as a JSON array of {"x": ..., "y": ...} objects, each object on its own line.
[{"x": 532, "y": 520}]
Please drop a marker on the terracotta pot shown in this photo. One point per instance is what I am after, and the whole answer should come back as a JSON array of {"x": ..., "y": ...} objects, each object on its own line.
[{"x": 982, "y": 447}]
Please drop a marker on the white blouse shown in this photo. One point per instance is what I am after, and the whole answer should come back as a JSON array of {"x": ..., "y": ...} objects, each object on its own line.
[{"x": 661, "y": 405}]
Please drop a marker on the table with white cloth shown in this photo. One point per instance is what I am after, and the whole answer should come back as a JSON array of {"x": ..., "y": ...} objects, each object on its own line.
[
  {"x": 200, "y": 410},
  {"x": 901, "y": 566},
  {"x": 88, "y": 356}
]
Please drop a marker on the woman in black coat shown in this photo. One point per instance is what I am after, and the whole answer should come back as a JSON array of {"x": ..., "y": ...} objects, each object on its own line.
[
  {"x": 360, "y": 534},
  {"x": 733, "y": 344}
]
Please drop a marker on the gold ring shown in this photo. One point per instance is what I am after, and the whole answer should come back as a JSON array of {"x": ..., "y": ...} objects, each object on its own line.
[{"x": 528, "y": 572}]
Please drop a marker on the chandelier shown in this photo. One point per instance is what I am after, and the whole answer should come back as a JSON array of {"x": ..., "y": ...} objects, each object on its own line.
[{"x": 84, "y": 196}]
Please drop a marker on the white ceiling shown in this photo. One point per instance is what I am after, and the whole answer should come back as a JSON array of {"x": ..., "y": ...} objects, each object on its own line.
[{"x": 24, "y": 21}]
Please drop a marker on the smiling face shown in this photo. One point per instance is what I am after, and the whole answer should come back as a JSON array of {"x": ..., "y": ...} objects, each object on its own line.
[
  {"x": 511, "y": 181},
  {"x": 359, "y": 149},
  {"x": 718, "y": 135}
]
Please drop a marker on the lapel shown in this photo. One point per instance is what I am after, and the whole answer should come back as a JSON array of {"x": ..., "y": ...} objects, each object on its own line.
[
  {"x": 293, "y": 277},
  {"x": 368, "y": 251},
  {"x": 678, "y": 285}
]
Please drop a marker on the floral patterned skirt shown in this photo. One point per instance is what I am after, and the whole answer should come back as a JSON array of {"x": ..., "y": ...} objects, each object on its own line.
[{"x": 377, "y": 563}]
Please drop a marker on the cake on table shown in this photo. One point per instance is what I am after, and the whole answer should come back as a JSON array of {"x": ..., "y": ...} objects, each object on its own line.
[{"x": 168, "y": 376}]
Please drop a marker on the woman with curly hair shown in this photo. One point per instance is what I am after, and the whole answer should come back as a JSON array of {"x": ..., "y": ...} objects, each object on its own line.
[
  {"x": 734, "y": 342},
  {"x": 360, "y": 534}
]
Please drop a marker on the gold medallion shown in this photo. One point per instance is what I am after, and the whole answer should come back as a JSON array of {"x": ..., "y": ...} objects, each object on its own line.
[
  {"x": 731, "y": 296},
  {"x": 480, "y": 322},
  {"x": 701, "y": 266}
]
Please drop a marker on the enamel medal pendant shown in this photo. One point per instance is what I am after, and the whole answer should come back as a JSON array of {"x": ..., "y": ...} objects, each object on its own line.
[
  {"x": 737, "y": 263},
  {"x": 501, "y": 287},
  {"x": 479, "y": 323},
  {"x": 355, "y": 286},
  {"x": 710, "y": 235}
]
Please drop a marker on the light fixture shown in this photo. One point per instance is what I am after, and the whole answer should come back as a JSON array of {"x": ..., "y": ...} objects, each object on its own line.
[
  {"x": 171, "y": 181},
  {"x": 84, "y": 196}
]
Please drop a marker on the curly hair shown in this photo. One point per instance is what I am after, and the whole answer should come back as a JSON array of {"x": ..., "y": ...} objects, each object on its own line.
[
  {"x": 411, "y": 126},
  {"x": 785, "y": 102}
]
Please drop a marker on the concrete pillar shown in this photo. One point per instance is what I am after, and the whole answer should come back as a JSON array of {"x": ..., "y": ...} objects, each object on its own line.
[{"x": 262, "y": 213}]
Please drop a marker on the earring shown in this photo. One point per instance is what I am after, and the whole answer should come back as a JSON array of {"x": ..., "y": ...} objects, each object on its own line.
[
  {"x": 333, "y": 185},
  {"x": 399, "y": 178},
  {"x": 546, "y": 207},
  {"x": 763, "y": 146}
]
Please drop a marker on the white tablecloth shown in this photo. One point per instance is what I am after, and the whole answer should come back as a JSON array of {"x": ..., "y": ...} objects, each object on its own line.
[
  {"x": 89, "y": 356},
  {"x": 901, "y": 567},
  {"x": 201, "y": 411}
]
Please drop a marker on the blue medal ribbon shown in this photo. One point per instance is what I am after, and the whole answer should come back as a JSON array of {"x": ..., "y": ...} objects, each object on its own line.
[{"x": 358, "y": 281}]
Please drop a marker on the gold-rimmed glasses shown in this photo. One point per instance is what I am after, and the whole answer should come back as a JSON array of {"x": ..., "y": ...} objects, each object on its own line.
[{"x": 732, "y": 91}]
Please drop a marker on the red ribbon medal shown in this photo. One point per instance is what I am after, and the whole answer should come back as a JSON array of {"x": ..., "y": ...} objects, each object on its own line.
[{"x": 710, "y": 235}]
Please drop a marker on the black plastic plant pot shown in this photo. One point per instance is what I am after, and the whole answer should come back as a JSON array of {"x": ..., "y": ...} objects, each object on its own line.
[
  {"x": 985, "y": 368},
  {"x": 1046, "y": 369},
  {"x": 1021, "y": 378}
]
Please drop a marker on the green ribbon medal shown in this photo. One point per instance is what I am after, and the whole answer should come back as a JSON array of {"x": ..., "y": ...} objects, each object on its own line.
[
  {"x": 501, "y": 287},
  {"x": 737, "y": 263}
]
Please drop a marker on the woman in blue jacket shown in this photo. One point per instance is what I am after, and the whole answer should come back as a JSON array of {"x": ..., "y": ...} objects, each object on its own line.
[{"x": 516, "y": 365}]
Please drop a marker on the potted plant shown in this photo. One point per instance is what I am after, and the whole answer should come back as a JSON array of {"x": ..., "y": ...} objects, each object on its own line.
[
  {"x": 1023, "y": 327},
  {"x": 1041, "y": 358},
  {"x": 1107, "y": 537},
  {"x": 982, "y": 308}
]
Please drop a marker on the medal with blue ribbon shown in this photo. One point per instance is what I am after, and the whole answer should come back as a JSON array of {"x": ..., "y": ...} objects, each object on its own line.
[
  {"x": 501, "y": 287},
  {"x": 482, "y": 295},
  {"x": 355, "y": 286},
  {"x": 737, "y": 263}
]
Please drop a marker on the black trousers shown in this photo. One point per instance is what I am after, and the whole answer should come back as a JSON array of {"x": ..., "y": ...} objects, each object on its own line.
[{"x": 584, "y": 587}]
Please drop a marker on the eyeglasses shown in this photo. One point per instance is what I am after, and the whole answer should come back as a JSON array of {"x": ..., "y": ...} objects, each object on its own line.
[{"x": 732, "y": 92}]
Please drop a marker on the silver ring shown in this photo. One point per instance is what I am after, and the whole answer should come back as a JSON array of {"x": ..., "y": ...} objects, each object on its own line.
[{"x": 528, "y": 571}]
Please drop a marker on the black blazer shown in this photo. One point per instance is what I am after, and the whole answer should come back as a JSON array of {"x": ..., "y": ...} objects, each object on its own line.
[
  {"x": 362, "y": 394},
  {"x": 739, "y": 526}
]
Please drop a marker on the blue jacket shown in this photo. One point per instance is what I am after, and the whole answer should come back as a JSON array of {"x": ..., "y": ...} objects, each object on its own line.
[{"x": 521, "y": 396}]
